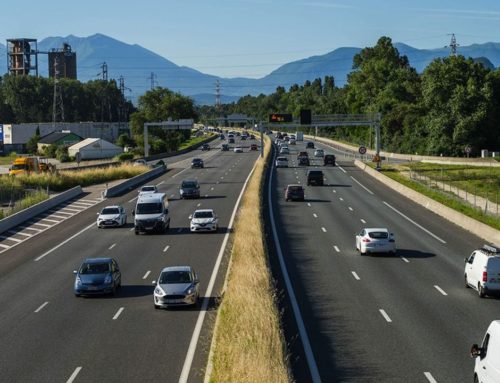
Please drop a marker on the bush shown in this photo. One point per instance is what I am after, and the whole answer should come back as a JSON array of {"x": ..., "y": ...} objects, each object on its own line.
[
  {"x": 124, "y": 156},
  {"x": 62, "y": 154}
]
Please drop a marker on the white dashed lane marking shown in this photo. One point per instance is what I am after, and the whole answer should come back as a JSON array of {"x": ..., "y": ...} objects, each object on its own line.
[
  {"x": 429, "y": 377},
  {"x": 146, "y": 275},
  {"x": 73, "y": 375},
  {"x": 120, "y": 310},
  {"x": 41, "y": 307},
  {"x": 362, "y": 220},
  {"x": 440, "y": 290},
  {"x": 113, "y": 245},
  {"x": 315, "y": 215},
  {"x": 336, "y": 249},
  {"x": 356, "y": 277},
  {"x": 386, "y": 317},
  {"x": 167, "y": 247},
  {"x": 324, "y": 230},
  {"x": 350, "y": 208},
  {"x": 405, "y": 260},
  {"x": 340, "y": 198}
]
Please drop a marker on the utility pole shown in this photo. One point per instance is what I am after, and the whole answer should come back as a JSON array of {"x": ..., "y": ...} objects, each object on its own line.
[
  {"x": 122, "y": 112},
  {"x": 453, "y": 45},
  {"x": 152, "y": 78},
  {"x": 104, "y": 71},
  {"x": 57, "y": 105}
]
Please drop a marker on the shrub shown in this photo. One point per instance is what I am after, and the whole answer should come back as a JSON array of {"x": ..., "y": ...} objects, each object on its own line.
[{"x": 125, "y": 156}]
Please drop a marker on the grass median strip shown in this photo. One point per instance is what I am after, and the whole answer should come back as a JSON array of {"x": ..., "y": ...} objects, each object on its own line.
[{"x": 249, "y": 344}]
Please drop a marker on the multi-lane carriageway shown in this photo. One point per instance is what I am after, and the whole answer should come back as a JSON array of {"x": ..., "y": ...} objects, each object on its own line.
[
  {"x": 404, "y": 318},
  {"x": 49, "y": 335}
]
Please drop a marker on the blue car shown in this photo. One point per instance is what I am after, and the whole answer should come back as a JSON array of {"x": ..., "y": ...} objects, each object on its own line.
[{"x": 97, "y": 276}]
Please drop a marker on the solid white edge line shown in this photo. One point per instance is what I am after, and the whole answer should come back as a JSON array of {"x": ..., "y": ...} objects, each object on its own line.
[
  {"x": 41, "y": 307},
  {"x": 363, "y": 186},
  {"x": 440, "y": 290},
  {"x": 120, "y": 310},
  {"x": 183, "y": 378},
  {"x": 412, "y": 221},
  {"x": 64, "y": 242},
  {"x": 73, "y": 375},
  {"x": 313, "y": 368},
  {"x": 146, "y": 275},
  {"x": 355, "y": 275},
  {"x": 384, "y": 314},
  {"x": 429, "y": 377},
  {"x": 341, "y": 168}
]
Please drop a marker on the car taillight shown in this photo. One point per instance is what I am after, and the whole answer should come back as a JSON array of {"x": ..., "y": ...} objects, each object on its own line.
[
  {"x": 366, "y": 240},
  {"x": 485, "y": 276}
]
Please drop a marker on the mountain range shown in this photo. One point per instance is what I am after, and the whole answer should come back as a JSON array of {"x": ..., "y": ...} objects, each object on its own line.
[{"x": 142, "y": 68}]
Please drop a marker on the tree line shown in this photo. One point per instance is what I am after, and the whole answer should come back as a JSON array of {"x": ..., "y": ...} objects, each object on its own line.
[{"x": 454, "y": 103}]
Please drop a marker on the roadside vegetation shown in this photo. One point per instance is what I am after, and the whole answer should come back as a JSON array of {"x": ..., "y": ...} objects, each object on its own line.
[
  {"x": 249, "y": 345},
  {"x": 484, "y": 181}
]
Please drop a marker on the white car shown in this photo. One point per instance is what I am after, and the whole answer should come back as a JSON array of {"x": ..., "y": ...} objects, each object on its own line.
[
  {"x": 281, "y": 162},
  {"x": 238, "y": 149},
  {"x": 284, "y": 150},
  {"x": 375, "y": 240},
  {"x": 204, "y": 220},
  {"x": 319, "y": 153},
  {"x": 112, "y": 216},
  {"x": 140, "y": 162},
  {"x": 148, "y": 189},
  {"x": 482, "y": 270}
]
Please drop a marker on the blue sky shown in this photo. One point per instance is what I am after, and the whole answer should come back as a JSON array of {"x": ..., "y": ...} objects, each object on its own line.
[{"x": 250, "y": 38}]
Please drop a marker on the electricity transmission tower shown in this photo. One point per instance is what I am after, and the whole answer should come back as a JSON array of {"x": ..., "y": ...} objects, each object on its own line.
[
  {"x": 57, "y": 105},
  {"x": 152, "y": 79},
  {"x": 453, "y": 45}
]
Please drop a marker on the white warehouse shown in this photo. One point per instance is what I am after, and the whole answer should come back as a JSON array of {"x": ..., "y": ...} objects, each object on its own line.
[{"x": 94, "y": 148}]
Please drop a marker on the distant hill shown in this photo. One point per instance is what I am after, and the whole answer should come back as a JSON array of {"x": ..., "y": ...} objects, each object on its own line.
[{"x": 136, "y": 64}]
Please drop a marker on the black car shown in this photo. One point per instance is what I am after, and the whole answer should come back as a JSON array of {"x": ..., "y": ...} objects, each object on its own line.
[
  {"x": 190, "y": 189},
  {"x": 329, "y": 159},
  {"x": 310, "y": 145},
  {"x": 294, "y": 193},
  {"x": 197, "y": 163},
  {"x": 231, "y": 140},
  {"x": 205, "y": 147},
  {"x": 315, "y": 177},
  {"x": 303, "y": 161}
]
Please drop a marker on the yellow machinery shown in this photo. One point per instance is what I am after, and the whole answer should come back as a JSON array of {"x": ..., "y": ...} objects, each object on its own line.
[{"x": 30, "y": 164}]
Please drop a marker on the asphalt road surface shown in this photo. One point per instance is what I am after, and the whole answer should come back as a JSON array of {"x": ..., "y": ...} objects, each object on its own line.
[
  {"x": 375, "y": 318},
  {"x": 49, "y": 335}
]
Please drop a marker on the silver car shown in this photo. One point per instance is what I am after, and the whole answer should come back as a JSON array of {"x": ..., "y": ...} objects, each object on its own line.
[
  {"x": 176, "y": 286},
  {"x": 281, "y": 162},
  {"x": 375, "y": 240},
  {"x": 148, "y": 189},
  {"x": 204, "y": 220},
  {"x": 112, "y": 216}
]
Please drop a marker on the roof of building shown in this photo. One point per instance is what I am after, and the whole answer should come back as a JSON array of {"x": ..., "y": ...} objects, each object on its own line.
[
  {"x": 89, "y": 141},
  {"x": 55, "y": 136}
]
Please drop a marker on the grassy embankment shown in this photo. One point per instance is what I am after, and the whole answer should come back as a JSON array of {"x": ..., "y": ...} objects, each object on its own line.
[
  {"x": 193, "y": 141},
  {"x": 249, "y": 345},
  {"x": 13, "y": 187},
  {"x": 482, "y": 181}
]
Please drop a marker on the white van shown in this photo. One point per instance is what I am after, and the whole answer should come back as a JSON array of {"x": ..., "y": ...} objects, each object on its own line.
[
  {"x": 151, "y": 213},
  {"x": 487, "y": 366},
  {"x": 482, "y": 270}
]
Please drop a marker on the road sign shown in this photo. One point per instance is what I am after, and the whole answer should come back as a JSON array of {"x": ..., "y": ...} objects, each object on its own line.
[
  {"x": 280, "y": 117},
  {"x": 362, "y": 150},
  {"x": 467, "y": 149}
]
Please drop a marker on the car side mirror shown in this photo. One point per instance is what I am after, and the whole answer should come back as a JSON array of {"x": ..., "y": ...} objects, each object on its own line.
[
  {"x": 133, "y": 212},
  {"x": 475, "y": 351},
  {"x": 153, "y": 283},
  {"x": 190, "y": 216},
  {"x": 98, "y": 213},
  {"x": 75, "y": 272},
  {"x": 196, "y": 281}
]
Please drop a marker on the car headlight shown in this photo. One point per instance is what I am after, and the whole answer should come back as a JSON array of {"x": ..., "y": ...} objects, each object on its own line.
[
  {"x": 108, "y": 279},
  {"x": 159, "y": 219},
  {"x": 78, "y": 281},
  {"x": 159, "y": 291},
  {"x": 190, "y": 291}
]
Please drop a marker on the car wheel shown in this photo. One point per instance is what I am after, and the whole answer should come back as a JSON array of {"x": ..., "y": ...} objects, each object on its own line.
[
  {"x": 136, "y": 232},
  {"x": 480, "y": 291},
  {"x": 466, "y": 283},
  {"x": 476, "y": 379},
  {"x": 286, "y": 199},
  {"x": 77, "y": 295},
  {"x": 113, "y": 290},
  {"x": 157, "y": 307}
]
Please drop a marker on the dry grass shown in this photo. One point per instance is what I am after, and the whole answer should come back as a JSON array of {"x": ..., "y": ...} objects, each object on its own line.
[{"x": 249, "y": 343}]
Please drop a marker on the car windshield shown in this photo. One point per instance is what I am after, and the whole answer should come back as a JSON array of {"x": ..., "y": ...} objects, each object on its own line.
[
  {"x": 95, "y": 268},
  {"x": 188, "y": 184},
  {"x": 203, "y": 214},
  {"x": 149, "y": 208},
  {"x": 168, "y": 277},
  {"x": 378, "y": 234},
  {"x": 110, "y": 210},
  {"x": 148, "y": 188}
]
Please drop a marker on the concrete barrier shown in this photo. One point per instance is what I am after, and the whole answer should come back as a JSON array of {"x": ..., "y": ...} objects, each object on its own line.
[
  {"x": 27, "y": 214},
  {"x": 480, "y": 229},
  {"x": 134, "y": 181}
]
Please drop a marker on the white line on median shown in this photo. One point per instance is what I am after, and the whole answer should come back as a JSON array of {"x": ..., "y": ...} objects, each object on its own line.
[
  {"x": 363, "y": 186},
  {"x": 146, "y": 275},
  {"x": 416, "y": 224},
  {"x": 440, "y": 290},
  {"x": 132, "y": 200},
  {"x": 118, "y": 313},
  {"x": 336, "y": 249},
  {"x": 41, "y": 307},
  {"x": 341, "y": 168},
  {"x": 73, "y": 375},
  {"x": 113, "y": 245},
  {"x": 306, "y": 344},
  {"x": 64, "y": 242},
  {"x": 384, "y": 314},
  {"x": 404, "y": 259},
  {"x": 166, "y": 248},
  {"x": 429, "y": 377},
  {"x": 356, "y": 277}
]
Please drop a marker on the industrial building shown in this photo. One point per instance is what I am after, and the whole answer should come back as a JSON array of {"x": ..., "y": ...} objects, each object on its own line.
[
  {"x": 62, "y": 62},
  {"x": 94, "y": 149}
]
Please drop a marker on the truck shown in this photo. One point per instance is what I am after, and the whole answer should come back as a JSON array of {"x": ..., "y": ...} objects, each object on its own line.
[
  {"x": 30, "y": 164},
  {"x": 299, "y": 136}
]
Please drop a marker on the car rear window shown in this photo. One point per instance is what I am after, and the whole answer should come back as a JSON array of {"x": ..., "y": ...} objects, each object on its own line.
[
  {"x": 378, "y": 234},
  {"x": 315, "y": 173}
]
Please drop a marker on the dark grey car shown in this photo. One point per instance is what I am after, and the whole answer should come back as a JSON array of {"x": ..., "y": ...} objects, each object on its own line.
[{"x": 190, "y": 189}]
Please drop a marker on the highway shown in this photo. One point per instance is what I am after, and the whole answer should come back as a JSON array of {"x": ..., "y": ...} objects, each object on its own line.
[
  {"x": 49, "y": 335},
  {"x": 373, "y": 318}
]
